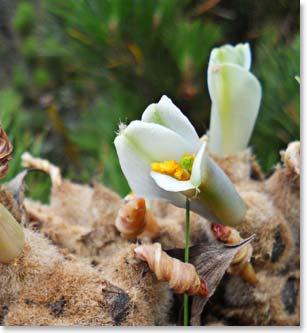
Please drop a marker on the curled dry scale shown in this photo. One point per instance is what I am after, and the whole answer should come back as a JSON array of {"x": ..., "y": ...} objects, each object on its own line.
[{"x": 90, "y": 257}]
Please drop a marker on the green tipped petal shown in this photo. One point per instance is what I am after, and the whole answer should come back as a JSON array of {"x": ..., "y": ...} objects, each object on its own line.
[
  {"x": 220, "y": 196},
  {"x": 238, "y": 55},
  {"x": 167, "y": 114}
]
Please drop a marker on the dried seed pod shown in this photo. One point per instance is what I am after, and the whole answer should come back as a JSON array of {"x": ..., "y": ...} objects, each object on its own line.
[
  {"x": 134, "y": 219},
  {"x": 240, "y": 264},
  {"x": 11, "y": 236},
  {"x": 182, "y": 277},
  {"x": 6, "y": 149}
]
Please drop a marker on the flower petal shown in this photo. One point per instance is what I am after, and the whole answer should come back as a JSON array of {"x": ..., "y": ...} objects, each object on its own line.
[
  {"x": 167, "y": 114},
  {"x": 221, "y": 196},
  {"x": 170, "y": 183},
  {"x": 136, "y": 168},
  {"x": 158, "y": 143},
  {"x": 239, "y": 54},
  {"x": 201, "y": 208},
  {"x": 199, "y": 166},
  {"x": 235, "y": 95}
]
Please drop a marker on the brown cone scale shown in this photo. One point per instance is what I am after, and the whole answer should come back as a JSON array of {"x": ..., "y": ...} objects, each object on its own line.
[{"x": 6, "y": 149}]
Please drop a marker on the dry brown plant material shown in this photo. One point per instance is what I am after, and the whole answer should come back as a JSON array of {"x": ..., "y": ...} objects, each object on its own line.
[
  {"x": 43, "y": 288},
  {"x": 7, "y": 200},
  {"x": 80, "y": 220},
  {"x": 284, "y": 188},
  {"x": 291, "y": 157},
  {"x": 182, "y": 277},
  {"x": 240, "y": 167},
  {"x": 130, "y": 220},
  {"x": 6, "y": 150},
  {"x": 211, "y": 261},
  {"x": 171, "y": 222},
  {"x": 240, "y": 264},
  {"x": 31, "y": 162},
  {"x": 135, "y": 219},
  {"x": 274, "y": 243},
  {"x": 275, "y": 301},
  {"x": 153, "y": 298}
]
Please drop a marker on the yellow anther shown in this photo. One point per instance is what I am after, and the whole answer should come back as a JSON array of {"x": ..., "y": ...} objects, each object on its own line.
[{"x": 175, "y": 169}]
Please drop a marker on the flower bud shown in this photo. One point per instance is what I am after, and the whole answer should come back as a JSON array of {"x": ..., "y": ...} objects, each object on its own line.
[
  {"x": 11, "y": 236},
  {"x": 235, "y": 94}
]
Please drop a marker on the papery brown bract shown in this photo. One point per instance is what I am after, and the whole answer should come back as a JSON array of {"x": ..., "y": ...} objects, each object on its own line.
[{"x": 211, "y": 262}]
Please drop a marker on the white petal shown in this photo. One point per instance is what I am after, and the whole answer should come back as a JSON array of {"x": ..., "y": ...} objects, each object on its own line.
[
  {"x": 201, "y": 208},
  {"x": 220, "y": 195},
  {"x": 235, "y": 95},
  {"x": 171, "y": 184},
  {"x": 136, "y": 168},
  {"x": 199, "y": 173},
  {"x": 167, "y": 114},
  {"x": 228, "y": 54},
  {"x": 156, "y": 142}
]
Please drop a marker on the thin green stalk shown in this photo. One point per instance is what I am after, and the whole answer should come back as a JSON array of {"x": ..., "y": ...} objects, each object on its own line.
[{"x": 186, "y": 259}]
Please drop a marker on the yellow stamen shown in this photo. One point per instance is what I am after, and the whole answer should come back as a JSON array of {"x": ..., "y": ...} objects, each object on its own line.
[{"x": 175, "y": 169}]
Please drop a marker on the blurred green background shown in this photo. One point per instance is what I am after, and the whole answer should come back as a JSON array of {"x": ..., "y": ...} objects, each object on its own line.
[{"x": 71, "y": 70}]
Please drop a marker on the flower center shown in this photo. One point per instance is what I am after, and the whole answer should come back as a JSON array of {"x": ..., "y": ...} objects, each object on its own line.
[{"x": 180, "y": 171}]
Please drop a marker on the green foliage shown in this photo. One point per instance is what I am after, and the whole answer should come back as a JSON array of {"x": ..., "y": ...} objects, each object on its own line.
[
  {"x": 41, "y": 78},
  {"x": 279, "y": 119},
  {"x": 83, "y": 66},
  {"x": 20, "y": 78},
  {"x": 17, "y": 124},
  {"x": 29, "y": 48},
  {"x": 192, "y": 42},
  {"x": 24, "y": 18},
  {"x": 94, "y": 136}
]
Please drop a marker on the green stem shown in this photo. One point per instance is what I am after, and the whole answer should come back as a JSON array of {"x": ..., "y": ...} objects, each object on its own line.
[{"x": 186, "y": 259}]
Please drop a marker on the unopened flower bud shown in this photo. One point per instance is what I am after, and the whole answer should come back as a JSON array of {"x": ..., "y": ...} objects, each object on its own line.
[{"x": 11, "y": 236}]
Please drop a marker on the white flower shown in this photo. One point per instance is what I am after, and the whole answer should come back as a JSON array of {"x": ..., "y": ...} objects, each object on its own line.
[
  {"x": 162, "y": 157},
  {"x": 235, "y": 94}
]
